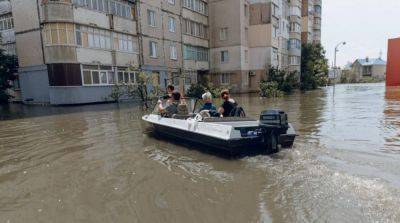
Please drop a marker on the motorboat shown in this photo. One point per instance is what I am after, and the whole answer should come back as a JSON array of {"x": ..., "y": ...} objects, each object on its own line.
[{"x": 230, "y": 134}]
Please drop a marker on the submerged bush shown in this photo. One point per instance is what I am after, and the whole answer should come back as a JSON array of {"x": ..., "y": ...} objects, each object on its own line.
[{"x": 270, "y": 89}]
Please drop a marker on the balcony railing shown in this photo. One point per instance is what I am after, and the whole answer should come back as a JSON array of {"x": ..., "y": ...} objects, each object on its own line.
[{"x": 58, "y": 11}]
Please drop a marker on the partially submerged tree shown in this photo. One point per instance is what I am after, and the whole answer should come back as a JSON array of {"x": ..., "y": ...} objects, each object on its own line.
[
  {"x": 314, "y": 66},
  {"x": 8, "y": 70}
]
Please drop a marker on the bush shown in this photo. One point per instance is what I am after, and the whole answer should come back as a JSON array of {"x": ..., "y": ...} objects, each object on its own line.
[
  {"x": 8, "y": 69},
  {"x": 278, "y": 82},
  {"x": 270, "y": 89},
  {"x": 197, "y": 90}
]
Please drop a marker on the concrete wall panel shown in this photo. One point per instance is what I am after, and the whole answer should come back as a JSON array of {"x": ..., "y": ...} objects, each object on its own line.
[
  {"x": 25, "y": 15},
  {"x": 29, "y": 49},
  {"x": 79, "y": 95},
  {"x": 90, "y": 17},
  {"x": 93, "y": 56},
  {"x": 34, "y": 84}
]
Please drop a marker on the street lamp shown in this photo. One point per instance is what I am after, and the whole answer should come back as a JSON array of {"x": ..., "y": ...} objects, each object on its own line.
[{"x": 337, "y": 50}]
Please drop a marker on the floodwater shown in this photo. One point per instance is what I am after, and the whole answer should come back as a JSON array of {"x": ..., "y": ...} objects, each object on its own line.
[{"x": 94, "y": 164}]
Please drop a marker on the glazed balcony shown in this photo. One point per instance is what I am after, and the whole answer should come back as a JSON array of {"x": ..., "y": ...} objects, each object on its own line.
[{"x": 57, "y": 11}]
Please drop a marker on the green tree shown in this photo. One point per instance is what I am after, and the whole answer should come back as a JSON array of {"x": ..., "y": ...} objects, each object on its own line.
[
  {"x": 314, "y": 67},
  {"x": 8, "y": 69}
]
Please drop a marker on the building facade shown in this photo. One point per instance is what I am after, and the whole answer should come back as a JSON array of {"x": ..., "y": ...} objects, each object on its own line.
[
  {"x": 369, "y": 67},
  {"x": 7, "y": 41},
  {"x": 75, "y": 51},
  {"x": 311, "y": 21}
]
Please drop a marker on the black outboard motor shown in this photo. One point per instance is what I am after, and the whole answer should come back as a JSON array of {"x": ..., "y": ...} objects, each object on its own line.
[{"x": 273, "y": 123}]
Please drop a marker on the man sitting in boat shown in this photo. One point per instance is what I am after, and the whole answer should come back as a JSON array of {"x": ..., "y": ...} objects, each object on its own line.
[
  {"x": 208, "y": 108},
  {"x": 172, "y": 108},
  {"x": 229, "y": 104}
]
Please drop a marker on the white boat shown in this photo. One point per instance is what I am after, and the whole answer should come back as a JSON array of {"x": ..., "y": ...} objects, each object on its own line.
[{"x": 232, "y": 134}]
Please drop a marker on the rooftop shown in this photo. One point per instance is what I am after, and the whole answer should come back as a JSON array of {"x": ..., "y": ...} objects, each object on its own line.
[{"x": 371, "y": 61}]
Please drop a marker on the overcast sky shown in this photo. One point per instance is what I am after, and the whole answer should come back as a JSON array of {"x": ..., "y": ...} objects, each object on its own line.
[{"x": 366, "y": 26}]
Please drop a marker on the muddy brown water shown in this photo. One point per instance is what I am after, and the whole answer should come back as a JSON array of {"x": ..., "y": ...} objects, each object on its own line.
[{"x": 94, "y": 164}]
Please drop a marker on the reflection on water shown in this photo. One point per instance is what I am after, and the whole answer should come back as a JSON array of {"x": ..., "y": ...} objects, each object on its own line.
[{"x": 95, "y": 164}]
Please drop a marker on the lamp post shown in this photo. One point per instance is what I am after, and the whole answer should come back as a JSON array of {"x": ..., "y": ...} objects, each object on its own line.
[{"x": 336, "y": 50}]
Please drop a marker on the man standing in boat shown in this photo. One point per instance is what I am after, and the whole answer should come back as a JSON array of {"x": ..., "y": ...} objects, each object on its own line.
[{"x": 229, "y": 104}]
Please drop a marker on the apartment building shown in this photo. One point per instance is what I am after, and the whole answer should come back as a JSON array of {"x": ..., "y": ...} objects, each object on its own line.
[
  {"x": 7, "y": 41},
  {"x": 311, "y": 21},
  {"x": 229, "y": 20},
  {"x": 249, "y": 36},
  {"x": 74, "y": 51},
  {"x": 175, "y": 43}
]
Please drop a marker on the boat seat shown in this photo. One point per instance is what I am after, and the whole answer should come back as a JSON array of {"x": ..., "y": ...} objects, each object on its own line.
[{"x": 227, "y": 119}]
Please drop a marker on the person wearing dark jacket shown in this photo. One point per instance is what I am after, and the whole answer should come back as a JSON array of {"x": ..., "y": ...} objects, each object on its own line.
[{"x": 228, "y": 105}]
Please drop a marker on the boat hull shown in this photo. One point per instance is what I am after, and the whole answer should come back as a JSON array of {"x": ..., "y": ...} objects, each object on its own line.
[{"x": 232, "y": 146}]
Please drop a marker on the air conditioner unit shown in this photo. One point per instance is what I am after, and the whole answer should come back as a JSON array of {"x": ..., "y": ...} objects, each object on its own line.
[{"x": 252, "y": 73}]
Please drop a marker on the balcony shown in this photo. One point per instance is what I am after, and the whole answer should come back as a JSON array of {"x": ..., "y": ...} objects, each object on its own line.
[{"x": 57, "y": 11}]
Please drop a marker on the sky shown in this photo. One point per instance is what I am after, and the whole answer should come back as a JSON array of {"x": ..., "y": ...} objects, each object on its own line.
[{"x": 366, "y": 26}]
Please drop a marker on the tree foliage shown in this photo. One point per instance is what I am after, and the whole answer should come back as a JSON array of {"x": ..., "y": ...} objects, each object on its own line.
[
  {"x": 8, "y": 70},
  {"x": 203, "y": 85},
  {"x": 278, "y": 82},
  {"x": 314, "y": 67}
]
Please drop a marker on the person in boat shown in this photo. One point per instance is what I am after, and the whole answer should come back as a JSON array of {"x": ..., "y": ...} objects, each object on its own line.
[
  {"x": 228, "y": 105},
  {"x": 168, "y": 96},
  {"x": 172, "y": 108},
  {"x": 208, "y": 106}
]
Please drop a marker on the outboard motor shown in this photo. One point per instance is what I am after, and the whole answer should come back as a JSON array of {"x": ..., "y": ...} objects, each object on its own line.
[
  {"x": 273, "y": 123},
  {"x": 274, "y": 118}
]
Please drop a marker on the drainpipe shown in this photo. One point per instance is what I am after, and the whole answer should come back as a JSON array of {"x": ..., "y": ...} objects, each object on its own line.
[
  {"x": 40, "y": 31},
  {"x": 139, "y": 33}
]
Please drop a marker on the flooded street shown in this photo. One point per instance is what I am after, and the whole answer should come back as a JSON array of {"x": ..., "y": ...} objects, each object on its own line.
[{"x": 95, "y": 164}]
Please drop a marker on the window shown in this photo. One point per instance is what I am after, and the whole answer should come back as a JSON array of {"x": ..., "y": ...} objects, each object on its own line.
[
  {"x": 196, "y": 5},
  {"x": 275, "y": 31},
  {"x": 275, "y": 56},
  {"x": 275, "y": 10},
  {"x": 59, "y": 34},
  {"x": 294, "y": 60},
  {"x": 173, "y": 53},
  {"x": 153, "y": 49},
  {"x": 126, "y": 77},
  {"x": 246, "y": 56},
  {"x": 194, "y": 29},
  {"x": 6, "y": 22},
  {"x": 223, "y": 33},
  {"x": 246, "y": 10},
  {"x": 295, "y": 27},
  {"x": 195, "y": 53},
  {"x": 225, "y": 79},
  {"x": 295, "y": 44},
  {"x": 151, "y": 18},
  {"x": 107, "y": 6},
  {"x": 103, "y": 39},
  {"x": 97, "y": 75},
  {"x": 224, "y": 56},
  {"x": 295, "y": 10},
  {"x": 172, "y": 2},
  {"x": 171, "y": 24}
]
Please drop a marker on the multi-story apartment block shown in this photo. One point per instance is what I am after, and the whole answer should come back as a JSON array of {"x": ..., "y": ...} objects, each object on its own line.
[
  {"x": 230, "y": 56},
  {"x": 161, "y": 38},
  {"x": 311, "y": 21},
  {"x": 249, "y": 36},
  {"x": 7, "y": 41},
  {"x": 73, "y": 51},
  {"x": 195, "y": 39},
  {"x": 7, "y": 31}
]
